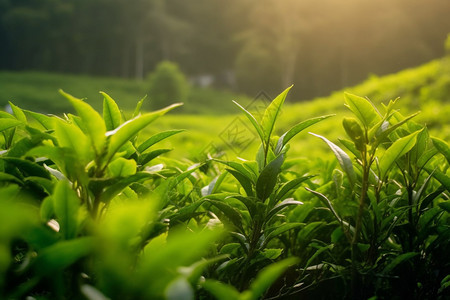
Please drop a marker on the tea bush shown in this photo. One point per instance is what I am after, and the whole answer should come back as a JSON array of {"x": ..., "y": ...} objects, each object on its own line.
[
  {"x": 167, "y": 84},
  {"x": 90, "y": 210}
]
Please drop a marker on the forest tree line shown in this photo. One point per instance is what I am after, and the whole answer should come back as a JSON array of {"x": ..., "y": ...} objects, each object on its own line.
[{"x": 245, "y": 45}]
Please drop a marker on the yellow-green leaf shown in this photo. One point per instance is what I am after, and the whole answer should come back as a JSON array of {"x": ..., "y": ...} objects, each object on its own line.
[
  {"x": 66, "y": 205},
  {"x": 129, "y": 129},
  {"x": 92, "y": 120},
  {"x": 122, "y": 167},
  {"x": 363, "y": 109},
  {"x": 395, "y": 151},
  {"x": 271, "y": 113},
  {"x": 111, "y": 112}
]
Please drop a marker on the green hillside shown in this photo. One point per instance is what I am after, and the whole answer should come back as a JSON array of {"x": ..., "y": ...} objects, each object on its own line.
[{"x": 211, "y": 119}]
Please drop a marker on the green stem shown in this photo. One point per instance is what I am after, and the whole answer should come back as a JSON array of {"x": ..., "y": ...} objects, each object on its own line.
[{"x": 364, "y": 188}]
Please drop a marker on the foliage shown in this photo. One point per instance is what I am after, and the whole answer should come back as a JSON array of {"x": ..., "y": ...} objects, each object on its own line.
[
  {"x": 90, "y": 210},
  {"x": 166, "y": 84}
]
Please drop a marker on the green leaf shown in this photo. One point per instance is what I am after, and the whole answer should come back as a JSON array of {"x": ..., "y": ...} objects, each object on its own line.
[
  {"x": 220, "y": 290},
  {"x": 45, "y": 121},
  {"x": 240, "y": 168},
  {"x": 230, "y": 212},
  {"x": 288, "y": 135},
  {"x": 129, "y": 129},
  {"x": 268, "y": 178},
  {"x": 162, "y": 257},
  {"x": 399, "y": 148},
  {"x": 7, "y": 123},
  {"x": 382, "y": 131},
  {"x": 355, "y": 132},
  {"x": 195, "y": 271},
  {"x": 430, "y": 197},
  {"x": 121, "y": 167},
  {"x": 442, "y": 147},
  {"x": 249, "y": 202},
  {"x": 245, "y": 182},
  {"x": 445, "y": 206},
  {"x": 440, "y": 176},
  {"x": 137, "y": 110},
  {"x": 47, "y": 209},
  {"x": 253, "y": 121},
  {"x": 118, "y": 186},
  {"x": 157, "y": 138},
  {"x": 291, "y": 186},
  {"x": 363, "y": 109},
  {"x": 111, "y": 112},
  {"x": 71, "y": 136},
  {"x": 281, "y": 206},
  {"x": 327, "y": 203},
  {"x": 4, "y": 177},
  {"x": 270, "y": 115},
  {"x": 27, "y": 168},
  {"x": 351, "y": 147},
  {"x": 18, "y": 113},
  {"x": 92, "y": 121},
  {"x": 62, "y": 255},
  {"x": 186, "y": 212},
  {"x": 267, "y": 276},
  {"x": 398, "y": 260},
  {"x": 344, "y": 160},
  {"x": 148, "y": 157},
  {"x": 66, "y": 205},
  {"x": 278, "y": 230}
]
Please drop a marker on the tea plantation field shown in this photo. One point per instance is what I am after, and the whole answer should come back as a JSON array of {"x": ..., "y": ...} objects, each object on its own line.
[{"x": 335, "y": 198}]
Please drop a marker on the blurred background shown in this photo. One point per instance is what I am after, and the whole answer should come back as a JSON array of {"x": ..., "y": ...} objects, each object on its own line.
[
  {"x": 207, "y": 53},
  {"x": 240, "y": 45}
]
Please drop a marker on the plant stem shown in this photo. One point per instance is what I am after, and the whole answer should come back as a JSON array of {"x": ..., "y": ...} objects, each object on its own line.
[{"x": 364, "y": 188}]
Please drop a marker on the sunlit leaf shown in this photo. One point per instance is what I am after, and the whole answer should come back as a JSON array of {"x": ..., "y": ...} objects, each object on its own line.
[
  {"x": 442, "y": 147},
  {"x": 399, "y": 148},
  {"x": 18, "y": 113},
  {"x": 121, "y": 167},
  {"x": 71, "y": 136},
  {"x": 344, "y": 160},
  {"x": 45, "y": 121},
  {"x": 92, "y": 121},
  {"x": 7, "y": 123},
  {"x": 252, "y": 119},
  {"x": 271, "y": 114},
  {"x": 288, "y": 135},
  {"x": 111, "y": 112},
  {"x": 363, "y": 109},
  {"x": 157, "y": 138},
  {"x": 129, "y": 129}
]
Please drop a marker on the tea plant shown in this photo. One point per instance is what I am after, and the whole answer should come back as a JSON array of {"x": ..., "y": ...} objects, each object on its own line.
[
  {"x": 254, "y": 214},
  {"x": 90, "y": 210},
  {"x": 89, "y": 215},
  {"x": 391, "y": 210}
]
